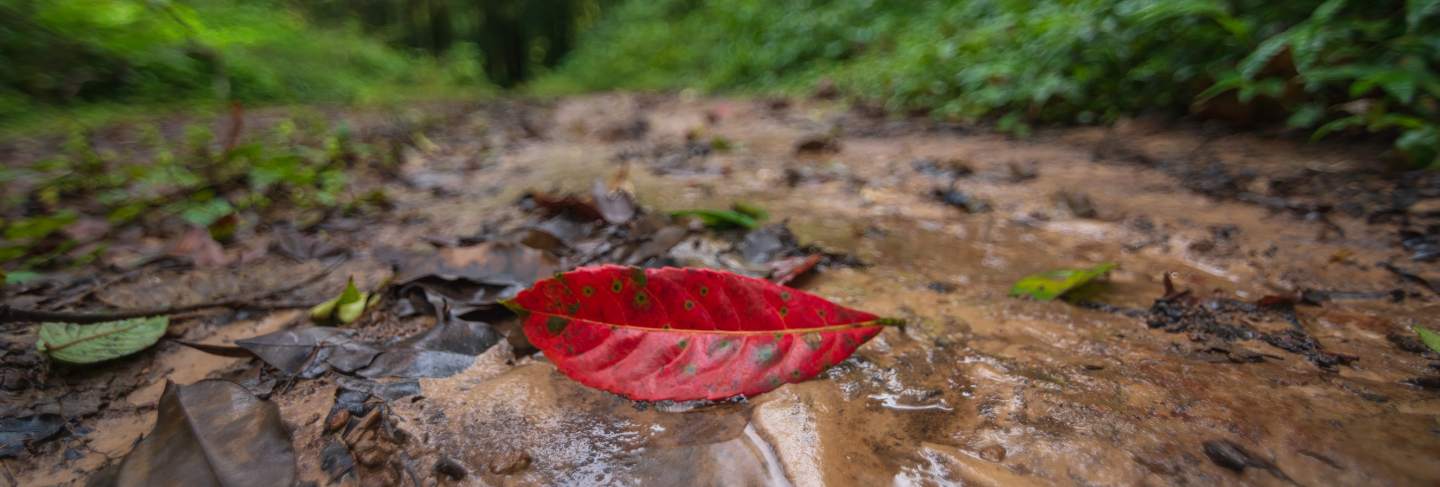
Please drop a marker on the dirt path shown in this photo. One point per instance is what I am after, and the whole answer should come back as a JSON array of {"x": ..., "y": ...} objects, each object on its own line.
[{"x": 980, "y": 388}]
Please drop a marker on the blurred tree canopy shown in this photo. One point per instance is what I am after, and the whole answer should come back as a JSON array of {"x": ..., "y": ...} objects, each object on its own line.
[
  {"x": 69, "y": 52},
  {"x": 517, "y": 38}
]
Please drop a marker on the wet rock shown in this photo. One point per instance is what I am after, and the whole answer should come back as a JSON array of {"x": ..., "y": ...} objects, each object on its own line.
[
  {"x": 948, "y": 169},
  {"x": 994, "y": 453},
  {"x": 817, "y": 145},
  {"x": 336, "y": 461},
  {"x": 450, "y": 468},
  {"x": 1227, "y": 454},
  {"x": 1078, "y": 204},
  {"x": 1429, "y": 383},
  {"x": 18, "y": 433},
  {"x": 961, "y": 200},
  {"x": 510, "y": 463}
]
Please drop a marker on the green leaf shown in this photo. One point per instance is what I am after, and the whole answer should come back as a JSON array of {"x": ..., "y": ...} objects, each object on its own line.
[
  {"x": 750, "y": 210},
  {"x": 85, "y": 344},
  {"x": 20, "y": 277},
  {"x": 349, "y": 312},
  {"x": 719, "y": 218},
  {"x": 351, "y": 293},
  {"x": 1429, "y": 338},
  {"x": 346, "y": 307},
  {"x": 203, "y": 214},
  {"x": 1049, "y": 285}
]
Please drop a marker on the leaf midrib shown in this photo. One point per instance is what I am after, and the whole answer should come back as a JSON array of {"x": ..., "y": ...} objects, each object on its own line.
[
  {"x": 877, "y": 322},
  {"x": 51, "y": 347}
]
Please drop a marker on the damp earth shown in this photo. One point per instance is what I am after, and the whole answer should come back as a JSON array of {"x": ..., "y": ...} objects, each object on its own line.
[{"x": 1255, "y": 332}]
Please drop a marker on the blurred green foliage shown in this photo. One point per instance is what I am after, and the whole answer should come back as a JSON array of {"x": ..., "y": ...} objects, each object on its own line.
[
  {"x": 1331, "y": 66},
  {"x": 63, "y": 53},
  {"x": 69, "y": 205}
]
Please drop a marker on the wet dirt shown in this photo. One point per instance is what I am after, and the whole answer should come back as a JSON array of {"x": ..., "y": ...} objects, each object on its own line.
[{"x": 978, "y": 389}]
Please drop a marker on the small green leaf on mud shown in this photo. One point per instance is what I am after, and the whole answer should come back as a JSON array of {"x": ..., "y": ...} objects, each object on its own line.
[
  {"x": 84, "y": 344},
  {"x": 1429, "y": 338},
  {"x": 345, "y": 308},
  {"x": 1049, "y": 285},
  {"x": 719, "y": 218}
]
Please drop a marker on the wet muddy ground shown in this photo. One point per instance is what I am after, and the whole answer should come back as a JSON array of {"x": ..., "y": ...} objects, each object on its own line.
[{"x": 1280, "y": 353}]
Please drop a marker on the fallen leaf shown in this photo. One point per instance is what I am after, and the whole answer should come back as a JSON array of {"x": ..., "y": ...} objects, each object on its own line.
[
  {"x": 764, "y": 245},
  {"x": 309, "y": 352},
  {"x": 684, "y": 334},
  {"x": 18, "y": 433},
  {"x": 1049, "y": 285},
  {"x": 785, "y": 270},
  {"x": 441, "y": 351},
  {"x": 750, "y": 210},
  {"x": 199, "y": 248},
  {"x": 84, "y": 344},
  {"x": 474, "y": 276},
  {"x": 344, "y": 308},
  {"x": 616, "y": 206},
  {"x": 295, "y": 245},
  {"x": 212, "y": 432},
  {"x": 567, "y": 206},
  {"x": 718, "y": 218},
  {"x": 1428, "y": 337}
]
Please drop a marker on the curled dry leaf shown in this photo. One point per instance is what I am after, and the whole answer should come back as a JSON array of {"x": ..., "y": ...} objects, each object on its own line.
[
  {"x": 445, "y": 349},
  {"x": 686, "y": 334},
  {"x": 212, "y": 432},
  {"x": 472, "y": 277}
]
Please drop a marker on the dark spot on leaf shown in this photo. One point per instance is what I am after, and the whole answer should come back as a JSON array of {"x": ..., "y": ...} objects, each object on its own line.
[
  {"x": 616, "y": 285},
  {"x": 719, "y": 346},
  {"x": 637, "y": 275},
  {"x": 764, "y": 354},
  {"x": 784, "y": 311},
  {"x": 689, "y": 305},
  {"x": 588, "y": 290},
  {"x": 813, "y": 340},
  {"x": 704, "y": 291},
  {"x": 773, "y": 380},
  {"x": 690, "y": 369},
  {"x": 785, "y": 296},
  {"x": 684, "y": 342},
  {"x": 556, "y": 324}
]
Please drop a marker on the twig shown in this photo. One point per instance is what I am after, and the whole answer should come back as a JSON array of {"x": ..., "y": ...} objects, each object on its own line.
[{"x": 9, "y": 314}]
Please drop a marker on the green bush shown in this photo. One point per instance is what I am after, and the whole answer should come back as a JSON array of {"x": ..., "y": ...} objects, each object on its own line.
[
  {"x": 1326, "y": 66},
  {"x": 61, "y": 53}
]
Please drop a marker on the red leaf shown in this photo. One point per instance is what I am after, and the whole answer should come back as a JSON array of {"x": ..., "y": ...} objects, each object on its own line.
[{"x": 684, "y": 334}]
